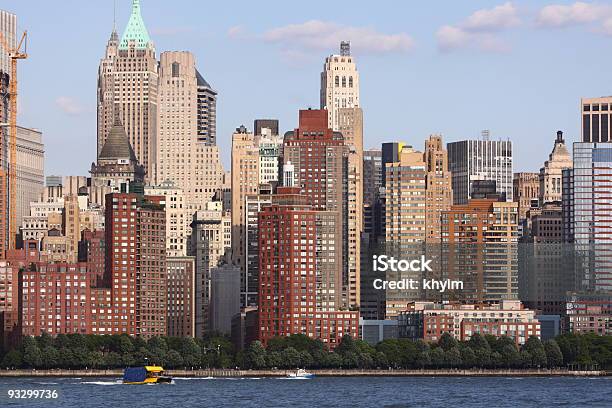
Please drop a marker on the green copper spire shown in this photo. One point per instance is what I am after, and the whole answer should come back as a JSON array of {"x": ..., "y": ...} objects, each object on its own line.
[{"x": 135, "y": 30}]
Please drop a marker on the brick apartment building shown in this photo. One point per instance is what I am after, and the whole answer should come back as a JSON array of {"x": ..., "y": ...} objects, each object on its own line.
[
  {"x": 429, "y": 320},
  {"x": 300, "y": 271}
]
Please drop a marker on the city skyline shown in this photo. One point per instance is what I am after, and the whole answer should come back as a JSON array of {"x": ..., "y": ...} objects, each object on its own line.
[{"x": 486, "y": 38}]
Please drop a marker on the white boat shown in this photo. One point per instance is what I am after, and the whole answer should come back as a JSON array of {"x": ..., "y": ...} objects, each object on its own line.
[{"x": 300, "y": 373}]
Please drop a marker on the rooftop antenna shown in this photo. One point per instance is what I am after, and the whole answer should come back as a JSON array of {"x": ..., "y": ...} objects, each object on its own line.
[
  {"x": 114, "y": 15},
  {"x": 345, "y": 48},
  {"x": 486, "y": 133}
]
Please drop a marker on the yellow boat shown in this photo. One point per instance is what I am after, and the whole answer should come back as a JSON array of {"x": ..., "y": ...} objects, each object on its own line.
[{"x": 145, "y": 375}]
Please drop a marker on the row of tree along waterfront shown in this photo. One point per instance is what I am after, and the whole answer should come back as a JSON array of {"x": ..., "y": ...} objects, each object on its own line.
[{"x": 76, "y": 351}]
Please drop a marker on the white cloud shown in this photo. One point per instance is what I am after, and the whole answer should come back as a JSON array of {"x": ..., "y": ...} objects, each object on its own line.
[
  {"x": 324, "y": 35},
  {"x": 498, "y": 18},
  {"x": 597, "y": 16},
  {"x": 69, "y": 105},
  {"x": 558, "y": 15},
  {"x": 479, "y": 30},
  {"x": 235, "y": 31}
]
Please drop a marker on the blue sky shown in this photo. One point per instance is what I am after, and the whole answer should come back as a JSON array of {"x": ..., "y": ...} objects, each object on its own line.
[{"x": 451, "y": 67}]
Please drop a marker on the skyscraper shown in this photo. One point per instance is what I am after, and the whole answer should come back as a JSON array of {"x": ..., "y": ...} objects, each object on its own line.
[
  {"x": 596, "y": 119},
  {"x": 8, "y": 28},
  {"x": 405, "y": 200},
  {"x": 178, "y": 217},
  {"x": 587, "y": 218},
  {"x": 550, "y": 175},
  {"x": 300, "y": 279},
  {"x": 339, "y": 84},
  {"x": 480, "y": 247},
  {"x": 135, "y": 235},
  {"x": 245, "y": 181},
  {"x": 438, "y": 187},
  {"x": 30, "y": 169},
  {"x": 127, "y": 86},
  {"x": 207, "y": 112},
  {"x": 210, "y": 239},
  {"x": 526, "y": 192},
  {"x": 475, "y": 160},
  {"x": 117, "y": 166},
  {"x": 320, "y": 160},
  {"x": 372, "y": 183},
  {"x": 339, "y": 95},
  {"x": 186, "y": 150}
]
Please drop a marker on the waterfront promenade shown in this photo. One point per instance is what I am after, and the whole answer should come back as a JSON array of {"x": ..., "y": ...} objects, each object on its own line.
[{"x": 319, "y": 373}]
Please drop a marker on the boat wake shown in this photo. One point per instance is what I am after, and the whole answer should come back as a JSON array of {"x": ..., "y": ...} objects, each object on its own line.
[{"x": 116, "y": 382}]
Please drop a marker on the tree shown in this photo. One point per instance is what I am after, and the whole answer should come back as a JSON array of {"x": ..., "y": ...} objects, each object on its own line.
[
  {"x": 510, "y": 356},
  {"x": 66, "y": 358},
  {"x": 291, "y": 357},
  {"x": 157, "y": 343},
  {"x": 347, "y": 345},
  {"x": 274, "y": 359},
  {"x": 447, "y": 342},
  {"x": 191, "y": 352},
  {"x": 391, "y": 350},
  {"x": 81, "y": 358},
  {"x": 306, "y": 359},
  {"x": 525, "y": 358},
  {"x": 32, "y": 356},
  {"x": 554, "y": 357},
  {"x": 112, "y": 360},
  {"x": 50, "y": 357},
  {"x": 468, "y": 357},
  {"x": 44, "y": 340},
  {"x": 495, "y": 359},
  {"x": 423, "y": 359},
  {"x": 125, "y": 344},
  {"x": 174, "y": 359},
  {"x": 535, "y": 348},
  {"x": 128, "y": 360},
  {"x": 483, "y": 356},
  {"x": 452, "y": 357},
  {"x": 96, "y": 359},
  {"x": 477, "y": 342},
  {"x": 334, "y": 360},
  {"x": 256, "y": 355},
  {"x": 437, "y": 357},
  {"x": 12, "y": 359}
]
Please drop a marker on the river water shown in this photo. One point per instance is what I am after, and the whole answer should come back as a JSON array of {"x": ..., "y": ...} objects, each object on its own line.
[{"x": 318, "y": 392}]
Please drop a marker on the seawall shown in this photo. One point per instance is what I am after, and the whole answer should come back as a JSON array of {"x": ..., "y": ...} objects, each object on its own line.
[{"x": 319, "y": 373}]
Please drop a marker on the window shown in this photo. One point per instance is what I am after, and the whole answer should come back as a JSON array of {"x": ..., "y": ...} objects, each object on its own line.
[{"x": 175, "y": 69}]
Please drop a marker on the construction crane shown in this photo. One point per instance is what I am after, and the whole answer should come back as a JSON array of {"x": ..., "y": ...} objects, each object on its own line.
[{"x": 14, "y": 55}]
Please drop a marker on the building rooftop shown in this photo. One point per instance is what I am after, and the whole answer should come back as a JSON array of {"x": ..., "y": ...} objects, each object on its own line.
[
  {"x": 136, "y": 30},
  {"x": 117, "y": 145}
]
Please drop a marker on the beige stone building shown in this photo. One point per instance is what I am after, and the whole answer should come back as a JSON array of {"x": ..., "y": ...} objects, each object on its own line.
[
  {"x": 438, "y": 187},
  {"x": 526, "y": 190},
  {"x": 340, "y": 96},
  {"x": 30, "y": 169},
  {"x": 245, "y": 176},
  {"x": 551, "y": 174},
  {"x": 210, "y": 240},
  {"x": 183, "y": 156},
  {"x": 127, "y": 86},
  {"x": 178, "y": 217},
  {"x": 350, "y": 122},
  {"x": 406, "y": 198},
  {"x": 339, "y": 84},
  {"x": 72, "y": 226}
]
